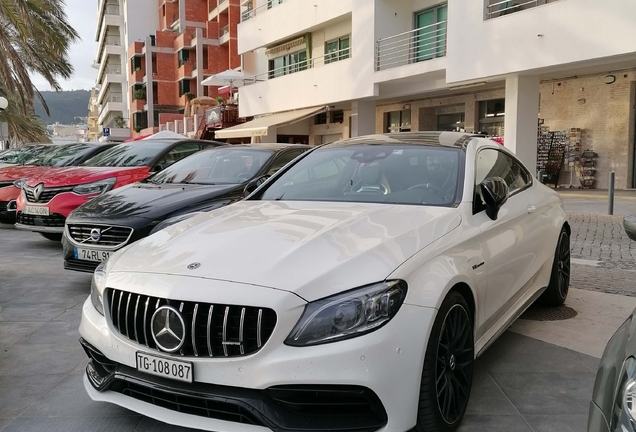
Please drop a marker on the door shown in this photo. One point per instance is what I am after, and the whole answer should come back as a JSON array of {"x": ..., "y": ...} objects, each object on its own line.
[
  {"x": 430, "y": 41},
  {"x": 512, "y": 242}
]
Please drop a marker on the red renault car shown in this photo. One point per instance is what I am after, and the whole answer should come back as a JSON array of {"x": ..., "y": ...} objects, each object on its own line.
[
  {"x": 48, "y": 198},
  {"x": 37, "y": 159}
]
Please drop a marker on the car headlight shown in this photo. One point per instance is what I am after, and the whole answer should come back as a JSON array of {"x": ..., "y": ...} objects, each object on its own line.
[
  {"x": 174, "y": 220},
  {"x": 348, "y": 315},
  {"x": 19, "y": 183},
  {"x": 98, "y": 284},
  {"x": 98, "y": 187}
]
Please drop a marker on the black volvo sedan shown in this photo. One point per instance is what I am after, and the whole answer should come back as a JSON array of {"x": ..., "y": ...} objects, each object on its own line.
[{"x": 202, "y": 182}]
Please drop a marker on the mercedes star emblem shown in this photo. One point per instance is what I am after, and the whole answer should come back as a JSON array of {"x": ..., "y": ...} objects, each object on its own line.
[
  {"x": 96, "y": 235},
  {"x": 37, "y": 191},
  {"x": 168, "y": 329},
  {"x": 194, "y": 266}
]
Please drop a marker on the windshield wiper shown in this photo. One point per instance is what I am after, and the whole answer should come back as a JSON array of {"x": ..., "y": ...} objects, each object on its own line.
[{"x": 280, "y": 197}]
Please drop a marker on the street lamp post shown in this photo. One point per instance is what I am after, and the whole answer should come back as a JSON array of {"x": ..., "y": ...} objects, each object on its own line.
[{"x": 4, "y": 127}]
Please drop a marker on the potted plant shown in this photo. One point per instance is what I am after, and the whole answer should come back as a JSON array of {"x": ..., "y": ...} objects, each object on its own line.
[
  {"x": 140, "y": 94},
  {"x": 189, "y": 95},
  {"x": 120, "y": 122},
  {"x": 220, "y": 100},
  {"x": 137, "y": 129}
]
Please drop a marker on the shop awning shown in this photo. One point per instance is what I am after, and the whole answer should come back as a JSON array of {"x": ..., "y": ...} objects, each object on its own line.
[{"x": 260, "y": 126}]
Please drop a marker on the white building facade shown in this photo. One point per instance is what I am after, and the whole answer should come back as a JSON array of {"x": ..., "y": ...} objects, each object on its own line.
[
  {"x": 119, "y": 24},
  {"x": 501, "y": 67}
]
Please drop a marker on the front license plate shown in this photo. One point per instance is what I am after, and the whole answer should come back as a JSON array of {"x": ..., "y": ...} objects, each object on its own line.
[
  {"x": 36, "y": 210},
  {"x": 164, "y": 367},
  {"x": 91, "y": 255}
]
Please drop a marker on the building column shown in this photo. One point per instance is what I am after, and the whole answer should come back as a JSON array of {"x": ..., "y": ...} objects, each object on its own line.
[
  {"x": 199, "y": 57},
  {"x": 362, "y": 118},
  {"x": 150, "y": 97},
  {"x": 522, "y": 114}
]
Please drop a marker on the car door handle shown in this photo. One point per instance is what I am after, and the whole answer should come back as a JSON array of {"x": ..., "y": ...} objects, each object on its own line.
[{"x": 532, "y": 209}]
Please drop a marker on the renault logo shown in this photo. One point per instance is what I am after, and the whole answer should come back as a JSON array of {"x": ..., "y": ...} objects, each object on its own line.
[
  {"x": 37, "y": 191},
  {"x": 96, "y": 235},
  {"x": 168, "y": 329}
]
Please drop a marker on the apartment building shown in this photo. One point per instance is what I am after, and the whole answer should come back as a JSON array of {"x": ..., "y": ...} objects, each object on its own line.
[
  {"x": 194, "y": 40},
  {"x": 326, "y": 69},
  {"x": 119, "y": 23},
  {"x": 93, "y": 117}
]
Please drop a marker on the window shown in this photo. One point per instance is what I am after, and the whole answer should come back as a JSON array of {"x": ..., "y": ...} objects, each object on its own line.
[
  {"x": 184, "y": 57},
  {"x": 449, "y": 122},
  {"x": 184, "y": 87},
  {"x": 492, "y": 115},
  {"x": 337, "y": 116},
  {"x": 397, "y": 121},
  {"x": 430, "y": 40},
  {"x": 179, "y": 152},
  {"x": 494, "y": 163},
  {"x": 135, "y": 64},
  {"x": 288, "y": 64},
  {"x": 284, "y": 160},
  {"x": 332, "y": 116},
  {"x": 154, "y": 63},
  {"x": 337, "y": 50},
  {"x": 320, "y": 119}
]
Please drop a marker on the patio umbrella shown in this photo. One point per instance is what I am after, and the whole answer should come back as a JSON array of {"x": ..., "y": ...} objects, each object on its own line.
[{"x": 229, "y": 77}]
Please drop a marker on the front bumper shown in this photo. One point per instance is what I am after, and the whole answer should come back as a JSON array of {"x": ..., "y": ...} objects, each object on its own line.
[
  {"x": 388, "y": 362},
  {"x": 39, "y": 227}
]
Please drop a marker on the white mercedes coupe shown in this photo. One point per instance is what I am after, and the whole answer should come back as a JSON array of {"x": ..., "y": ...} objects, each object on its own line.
[{"x": 351, "y": 291}]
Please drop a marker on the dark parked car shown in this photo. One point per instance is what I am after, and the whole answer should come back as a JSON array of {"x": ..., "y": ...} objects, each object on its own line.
[
  {"x": 613, "y": 407},
  {"x": 202, "y": 182}
]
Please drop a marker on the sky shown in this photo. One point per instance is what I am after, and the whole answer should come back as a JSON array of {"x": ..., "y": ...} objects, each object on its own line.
[{"x": 82, "y": 15}]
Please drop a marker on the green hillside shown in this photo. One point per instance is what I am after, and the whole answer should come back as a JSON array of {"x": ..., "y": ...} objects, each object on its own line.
[{"x": 64, "y": 106}]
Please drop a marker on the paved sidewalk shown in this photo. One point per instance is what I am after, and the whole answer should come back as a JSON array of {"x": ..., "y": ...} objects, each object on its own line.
[{"x": 597, "y": 202}]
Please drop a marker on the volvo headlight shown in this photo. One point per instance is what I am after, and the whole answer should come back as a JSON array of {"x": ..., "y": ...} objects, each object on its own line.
[
  {"x": 98, "y": 284},
  {"x": 348, "y": 315},
  {"x": 98, "y": 187},
  {"x": 19, "y": 183}
]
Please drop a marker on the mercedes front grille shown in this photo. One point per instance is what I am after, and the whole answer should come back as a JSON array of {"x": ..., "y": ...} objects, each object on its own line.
[{"x": 212, "y": 330}]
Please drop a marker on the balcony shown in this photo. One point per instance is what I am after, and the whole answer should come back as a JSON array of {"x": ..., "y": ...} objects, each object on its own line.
[
  {"x": 115, "y": 97},
  {"x": 113, "y": 69},
  {"x": 225, "y": 35},
  {"x": 300, "y": 66},
  {"x": 249, "y": 11},
  {"x": 497, "y": 8},
  {"x": 113, "y": 40},
  {"x": 421, "y": 44},
  {"x": 112, "y": 9}
]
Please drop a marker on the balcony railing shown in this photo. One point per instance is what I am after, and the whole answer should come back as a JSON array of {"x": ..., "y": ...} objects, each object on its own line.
[
  {"x": 225, "y": 30},
  {"x": 222, "y": 115},
  {"x": 115, "y": 97},
  {"x": 315, "y": 62},
  {"x": 113, "y": 40},
  {"x": 250, "y": 11},
  {"x": 421, "y": 44},
  {"x": 113, "y": 69},
  {"x": 496, "y": 8},
  {"x": 112, "y": 10}
]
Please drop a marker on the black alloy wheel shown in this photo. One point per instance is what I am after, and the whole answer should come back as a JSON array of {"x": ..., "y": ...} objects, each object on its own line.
[
  {"x": 557, "y": 291},
  {"x": 449, "y": 362},
  {"x": 455, "y": 356},
  {"x": 564, "y": 264}
]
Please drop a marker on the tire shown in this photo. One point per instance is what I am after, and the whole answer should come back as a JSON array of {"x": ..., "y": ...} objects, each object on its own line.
[
  {"x": 446, "y": 375},
  {"x": 557, "y": 290},
  {"x": 52, "y": 236}
]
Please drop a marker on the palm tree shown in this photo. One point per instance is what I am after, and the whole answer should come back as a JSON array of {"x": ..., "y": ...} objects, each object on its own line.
[{"x": 35, "y": 37}]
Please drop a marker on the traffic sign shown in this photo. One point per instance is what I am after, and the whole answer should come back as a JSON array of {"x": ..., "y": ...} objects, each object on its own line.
[{"x": 106, "y": 132}]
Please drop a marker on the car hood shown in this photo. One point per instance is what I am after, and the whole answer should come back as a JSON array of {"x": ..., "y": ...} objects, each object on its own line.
[
  {"x": 151, "y": 201},
  {"x": 17, "y": 172},
  {"x": 81, "y": 175},
  {"x": 314, "y": 249}
]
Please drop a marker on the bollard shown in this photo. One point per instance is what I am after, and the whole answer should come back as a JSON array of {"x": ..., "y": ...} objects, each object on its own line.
[{"x": 610, "y": 194}]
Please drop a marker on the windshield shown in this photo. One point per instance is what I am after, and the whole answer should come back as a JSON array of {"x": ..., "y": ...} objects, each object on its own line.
[
  {"x": 59, "y": 156},
  {"x": 26, "y": 155},
  {"x": 389, "y": 174},
  {"x": 134, "y": 154},
  {"x": 219, "y": 166}
]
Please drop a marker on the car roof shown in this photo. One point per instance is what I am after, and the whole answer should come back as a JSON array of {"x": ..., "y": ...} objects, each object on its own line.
[
  {"x": 442, "y": 139},
  {"x": 270, "y": 146}
]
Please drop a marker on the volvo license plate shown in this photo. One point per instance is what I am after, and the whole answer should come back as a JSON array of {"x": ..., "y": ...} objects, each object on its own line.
[
  {"x": 36, "y": 210},
  {"x": 164, "y": 367},
  {"x": 92, "y": 255}
]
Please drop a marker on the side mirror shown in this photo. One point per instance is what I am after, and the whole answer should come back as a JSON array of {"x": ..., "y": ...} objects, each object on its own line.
[
  {"x": 253, "y": 184},
  {"x": 495, "y": 192},
  {"x": 629, "y": 223}
]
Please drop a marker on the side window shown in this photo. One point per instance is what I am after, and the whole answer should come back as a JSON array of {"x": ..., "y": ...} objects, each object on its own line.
[
  {"x": 493, "y": 163},
  {"x": 283, "y": 160},
  {"x": 328, "y": 171},
  {"x": 179, "y": 152}
]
